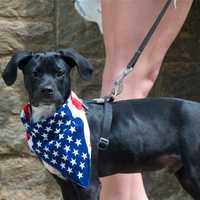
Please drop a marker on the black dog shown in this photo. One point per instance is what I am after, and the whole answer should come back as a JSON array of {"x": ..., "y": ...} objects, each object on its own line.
[{"x": 145, "y": 134}]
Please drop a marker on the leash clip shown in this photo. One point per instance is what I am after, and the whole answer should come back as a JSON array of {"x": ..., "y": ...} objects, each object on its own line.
[{"x": 118, "y": 84}]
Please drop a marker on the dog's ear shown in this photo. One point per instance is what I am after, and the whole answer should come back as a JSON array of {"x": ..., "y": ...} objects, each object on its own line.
[
  {"x": 72, "y": 58},
  {"x": 19, "y": 60}
]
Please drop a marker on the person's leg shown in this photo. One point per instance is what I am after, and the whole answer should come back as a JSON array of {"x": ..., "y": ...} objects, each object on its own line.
[{"x": 125, "y": 23}]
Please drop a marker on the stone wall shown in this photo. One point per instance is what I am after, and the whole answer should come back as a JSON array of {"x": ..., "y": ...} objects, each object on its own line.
[
  {"x": 24, "y": 24},
  {"x": 49, "y": 24}
]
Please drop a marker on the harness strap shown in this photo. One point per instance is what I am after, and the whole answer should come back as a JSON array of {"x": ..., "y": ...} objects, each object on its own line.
[{"x": 107, "y": 122}]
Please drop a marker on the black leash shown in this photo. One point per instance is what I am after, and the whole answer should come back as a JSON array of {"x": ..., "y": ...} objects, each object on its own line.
[{"x": 117, "y": 85}]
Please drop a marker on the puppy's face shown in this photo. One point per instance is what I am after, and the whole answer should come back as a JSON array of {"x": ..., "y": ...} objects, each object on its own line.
[
  {"x": 47, "y": 75},
  {"x": 46, "y": 78}
]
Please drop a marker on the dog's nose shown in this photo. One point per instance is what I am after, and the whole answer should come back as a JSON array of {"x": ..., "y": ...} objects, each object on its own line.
[{"x": 47, "y": 91}]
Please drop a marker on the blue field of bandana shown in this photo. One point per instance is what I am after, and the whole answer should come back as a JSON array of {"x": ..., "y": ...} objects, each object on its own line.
[{"x": 59, "y": 141}]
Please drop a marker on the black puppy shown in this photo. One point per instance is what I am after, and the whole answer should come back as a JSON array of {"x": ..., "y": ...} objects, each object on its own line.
[{"x": 145, "y": 134}]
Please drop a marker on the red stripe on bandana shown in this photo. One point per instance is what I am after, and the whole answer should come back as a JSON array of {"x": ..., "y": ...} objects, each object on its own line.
[
  {"x": 27, "y": 111},
  {"x": 77, "y": 103},
  {"x": 27, "y": 136}
]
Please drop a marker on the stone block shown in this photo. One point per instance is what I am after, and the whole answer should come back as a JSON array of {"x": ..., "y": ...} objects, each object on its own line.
[
  {"x": 26, "y": 8},
  {"x": 25, "y": 178},
  {"x": 25, "y": 35}
]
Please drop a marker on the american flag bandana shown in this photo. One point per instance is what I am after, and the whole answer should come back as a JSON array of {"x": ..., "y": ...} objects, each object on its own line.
[{"x": 62, "y": 140}]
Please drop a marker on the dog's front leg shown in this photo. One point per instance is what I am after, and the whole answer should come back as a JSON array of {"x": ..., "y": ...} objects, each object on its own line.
[
  {"x": 72, "y": 191},
  {"x": 91, "y": 193},
  {"x": 67, "y": 188}
]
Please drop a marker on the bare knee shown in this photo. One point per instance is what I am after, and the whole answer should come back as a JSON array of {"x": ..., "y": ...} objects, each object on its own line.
[
  {"x": 153, "y": 72},
  {"x": 138, "y": 83}
]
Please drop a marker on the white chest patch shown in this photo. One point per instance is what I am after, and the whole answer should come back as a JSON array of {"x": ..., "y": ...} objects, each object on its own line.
[
  {"x": 39, "y": 113},
  {"x": 42, "y": 112}
]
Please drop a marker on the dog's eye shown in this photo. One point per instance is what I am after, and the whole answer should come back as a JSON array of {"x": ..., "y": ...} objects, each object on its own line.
[
  {"x": 60, "y": 73},
  {"x": 36, "y": 74}
]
